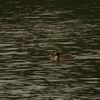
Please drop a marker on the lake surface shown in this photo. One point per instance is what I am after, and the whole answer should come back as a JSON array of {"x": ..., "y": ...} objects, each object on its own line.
[{"x": 30, "y": 30}]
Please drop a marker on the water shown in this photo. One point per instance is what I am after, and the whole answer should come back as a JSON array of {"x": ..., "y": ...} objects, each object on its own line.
[{"x": 30, "y": 31}]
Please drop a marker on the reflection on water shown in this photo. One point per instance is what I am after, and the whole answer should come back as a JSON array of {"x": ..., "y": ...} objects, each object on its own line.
[{"x": 30, "y": 31}]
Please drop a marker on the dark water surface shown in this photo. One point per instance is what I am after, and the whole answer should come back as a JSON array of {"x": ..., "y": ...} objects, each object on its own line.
[{"x": 30, "y": 30}]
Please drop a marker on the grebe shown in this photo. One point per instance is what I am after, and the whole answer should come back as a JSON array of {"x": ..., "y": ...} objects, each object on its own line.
[{"x": 58, "y": 56}]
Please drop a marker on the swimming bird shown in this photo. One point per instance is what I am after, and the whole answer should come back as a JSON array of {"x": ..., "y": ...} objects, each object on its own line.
[{"x": 58, "y": 56}]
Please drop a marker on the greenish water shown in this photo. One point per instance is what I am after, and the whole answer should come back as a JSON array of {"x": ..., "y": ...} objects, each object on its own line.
[{"x": 30, "y": 31}]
